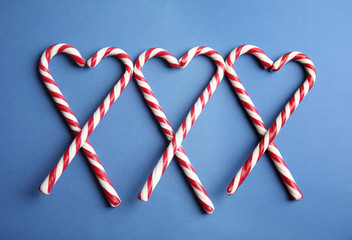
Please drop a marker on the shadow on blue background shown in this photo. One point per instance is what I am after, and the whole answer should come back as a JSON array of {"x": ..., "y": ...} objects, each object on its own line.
[{"x": 314, "y": 142}]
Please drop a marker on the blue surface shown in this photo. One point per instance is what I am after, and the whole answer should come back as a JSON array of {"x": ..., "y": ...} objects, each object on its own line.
[{"x": 315, "y": 142}]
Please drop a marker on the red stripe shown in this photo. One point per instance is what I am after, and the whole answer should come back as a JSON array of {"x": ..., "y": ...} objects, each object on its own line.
[
  {"x": 150, "y": 185},
  {"x": 48, "y": 53},
  {"x": 102, "y": 110},
  {"x": 90, "y": 126},
  {"x": 193, "y": 117},
  {"x": 272, "y": 133},
  {"x": 209, "y": 94},
  {"x": 108, "y": 51},
  {"x": 43, "y": 68},
  {"x": 114, "y": 200},
  {"x": 246, "y": 168},
  {"x": 52, "y": 178},
  {"x": 78, "y": 143},
  {"x": 184, "y": 129},
  {"x": 183, "y": 61},
  {"x": 229, "y": 62},
  {"x": 147, "y": 54},
  {"x": 112, "y": 98},
  {"x": 238, "y": 51},
  {"x": 65, "y": 159},
  {"x": 93, "y": 60}
]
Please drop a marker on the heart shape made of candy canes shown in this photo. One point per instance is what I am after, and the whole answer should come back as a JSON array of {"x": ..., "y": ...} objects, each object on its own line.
[
  {"x": 176, "y": 139},
  {"x": 155, "y": 107},
  {"x": 269, "y": 135},
  {"x": 82, "y": 135},
  {"x": 253, "y": 114}
]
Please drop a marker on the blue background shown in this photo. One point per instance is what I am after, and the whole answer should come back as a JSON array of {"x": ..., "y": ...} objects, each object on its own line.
[{"x": 315, "y": 142}]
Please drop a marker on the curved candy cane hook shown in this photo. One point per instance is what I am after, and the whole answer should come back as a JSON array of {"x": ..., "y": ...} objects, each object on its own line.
[
  {"x": 281, "y": 118},
  {"x": 253, "y": 114},
  {"x": 154, "y": 105},
  {"x": 88, "y": 128}
]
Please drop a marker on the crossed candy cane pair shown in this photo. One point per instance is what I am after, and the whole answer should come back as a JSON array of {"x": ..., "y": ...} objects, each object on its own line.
[
  {"x": 82, "y": 134},
  {"x": 268, "y": 135},
  {"x": 175, "y": 139}
]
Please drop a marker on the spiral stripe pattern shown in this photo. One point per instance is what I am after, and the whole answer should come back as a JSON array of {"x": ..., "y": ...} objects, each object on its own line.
[
  {"x": 159, "y": 114},
  {"x": 290, "y": 107},
  {"x": 167, "y": 156},
  {"x": 88, "y": 128},
  {"x": 253, "y": 114}
]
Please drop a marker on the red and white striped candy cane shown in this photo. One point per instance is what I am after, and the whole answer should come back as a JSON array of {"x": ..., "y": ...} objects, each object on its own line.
[
  {"x": 70, "y": 118},
  {"x": 281, "y": 119},
  {"x": 88, "y": 128},
  {"x": 197, "y": 108},
  {"x": 165, "y": 125},
  {"x": 252, "y": 112}
]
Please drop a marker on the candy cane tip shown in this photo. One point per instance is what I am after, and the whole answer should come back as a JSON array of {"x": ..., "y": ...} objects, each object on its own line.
[
  {"x": 174, "y": 65},
  {"x": 268, "y": 66},
  {"x": 44, "y": 191},
  {"x": 89, "y": 63},
  {"x": 115, "y": 203},
  {"x": 275, "y": 67},
  {"x": 183, "y": 62},
  {"x": 230, "y": 190},
  {"x": 298, "y": 198},
  {"x": 209, "y": 210},
  {"x": 82, "y": 64},
  {"x": 144, "y": 199}
]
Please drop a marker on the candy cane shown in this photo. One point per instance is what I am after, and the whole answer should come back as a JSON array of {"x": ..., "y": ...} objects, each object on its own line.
[
  {"x": 252, "y": 112},
  {"x": 71, "y": 119},
  {"x": 281, "y": 118},
  {"x": 165, "y": 125},
  {"x": 88, "y": 128},
  {"x": 167, "y": 156}
]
